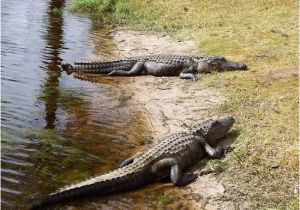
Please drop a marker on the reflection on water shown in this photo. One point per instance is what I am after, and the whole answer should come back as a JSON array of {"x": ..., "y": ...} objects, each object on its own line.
[
  {"x": 54, "y": 43},
  {"x": 99, "y": 41},
  {"x": 57, "y": 129}
]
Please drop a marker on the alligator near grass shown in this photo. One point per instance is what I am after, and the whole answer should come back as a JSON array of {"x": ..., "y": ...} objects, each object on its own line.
[
  {"x": 172, "y": 156},
  {"x": 183, "y": 66}
]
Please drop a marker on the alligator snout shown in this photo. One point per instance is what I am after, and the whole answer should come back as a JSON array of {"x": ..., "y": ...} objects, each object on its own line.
[
  {"x": 242, "y": 66},
  {"x": 222, "y": 64},
  {"x": 231, "y": 66}
]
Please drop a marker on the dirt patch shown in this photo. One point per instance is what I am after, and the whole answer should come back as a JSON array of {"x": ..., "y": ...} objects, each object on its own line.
[
  {"x": 284, "y": 73},
  {"x": 173, "y": 104},
  {"x": 131, "y": 43}
]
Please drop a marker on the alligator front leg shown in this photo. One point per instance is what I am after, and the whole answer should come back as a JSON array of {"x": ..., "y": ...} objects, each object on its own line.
[
  {"x": 135, "y": 70},
  {"x": 188, "y": 74},
  {"x": 176, "y": 175},
  {"x": 213, "y": 152}
]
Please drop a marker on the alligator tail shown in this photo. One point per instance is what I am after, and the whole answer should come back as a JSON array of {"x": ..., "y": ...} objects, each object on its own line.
[
  {"x": 97, "y": 68},
  {"x": 95, "y": 186},
  {"x": 103, "y": 67}
]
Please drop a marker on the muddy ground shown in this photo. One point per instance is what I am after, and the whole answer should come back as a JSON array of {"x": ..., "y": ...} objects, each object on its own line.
[{"x": 171, "y": 104}]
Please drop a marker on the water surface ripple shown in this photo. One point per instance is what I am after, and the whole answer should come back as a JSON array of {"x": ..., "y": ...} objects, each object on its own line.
[{"x": 57, "y": 129}]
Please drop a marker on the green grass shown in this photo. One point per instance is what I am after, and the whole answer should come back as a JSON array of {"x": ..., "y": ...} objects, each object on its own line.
[
  {"x": 217, "y": 166},
  {"x": 263, "y": 169},
  {"x": 264, "y": 165},
  {"x": 89, "y": 6}
]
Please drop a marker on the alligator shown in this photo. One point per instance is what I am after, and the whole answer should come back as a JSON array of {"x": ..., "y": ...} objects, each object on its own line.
[
  {"x": 183, "y": 66},
  {"x": 170, "y": 158}
]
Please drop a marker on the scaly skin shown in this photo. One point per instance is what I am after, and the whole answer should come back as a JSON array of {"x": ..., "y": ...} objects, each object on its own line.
[
  {"x": 171, "y": 157},
  {"x": 183, "y": 66}
]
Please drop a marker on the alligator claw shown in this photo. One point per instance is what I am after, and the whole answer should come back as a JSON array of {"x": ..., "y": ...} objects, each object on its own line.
[
  {"x": 187, "y": 179},
  {"x": 228, "y": 149},
  {"x": 112, "y": 73},
  {"x": 195, "y": 78},
  {"x": 206, "y": 171}
]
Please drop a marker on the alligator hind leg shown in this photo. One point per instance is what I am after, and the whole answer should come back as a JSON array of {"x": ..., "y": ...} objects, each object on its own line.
[
  {"x": 176, "y": 175},
  {"x": 135, "y": 70}
]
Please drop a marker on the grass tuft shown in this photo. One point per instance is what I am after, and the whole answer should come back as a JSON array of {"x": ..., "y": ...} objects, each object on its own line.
[
  {"x": 217, "y": 166},
  {"x": 91, "y": 6}
]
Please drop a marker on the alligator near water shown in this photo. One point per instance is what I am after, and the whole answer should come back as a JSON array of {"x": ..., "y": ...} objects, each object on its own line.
[
  {"x": 183, "y": 66},
  {"x": 171, "y": 157}
]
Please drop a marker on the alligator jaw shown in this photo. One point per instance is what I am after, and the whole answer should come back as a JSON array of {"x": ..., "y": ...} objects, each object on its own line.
[
  {"x": 217, "y": 63},
  {"x": 231, "y": 66}
]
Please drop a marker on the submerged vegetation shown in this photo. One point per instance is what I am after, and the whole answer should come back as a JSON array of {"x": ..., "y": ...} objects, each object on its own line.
[{"x": 263, "y": 168}]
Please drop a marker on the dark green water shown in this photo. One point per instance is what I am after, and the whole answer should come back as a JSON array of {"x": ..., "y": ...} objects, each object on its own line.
[{"x": 57, "y": 129}]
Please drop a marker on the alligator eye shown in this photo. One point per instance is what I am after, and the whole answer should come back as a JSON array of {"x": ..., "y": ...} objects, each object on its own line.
[
  {"x": 214, "y": 65},
  {"x": 215, "y": 123}
]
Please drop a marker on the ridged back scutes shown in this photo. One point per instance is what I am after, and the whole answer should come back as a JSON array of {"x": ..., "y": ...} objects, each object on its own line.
[
  {"x": 154, "y": 57},
  {"x": 166, "y": 56},
  {"x": 110, "y": 62},
  {"x": 170, "y": 146}
]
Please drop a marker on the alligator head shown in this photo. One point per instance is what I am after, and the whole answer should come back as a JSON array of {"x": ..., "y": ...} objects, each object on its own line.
[
  {"x": 218, "y": 63},
  {"x": 213, "y": 130}
]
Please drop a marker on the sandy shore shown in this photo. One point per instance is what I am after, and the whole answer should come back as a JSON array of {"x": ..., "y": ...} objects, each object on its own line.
[{"x": 171, "y": 104}]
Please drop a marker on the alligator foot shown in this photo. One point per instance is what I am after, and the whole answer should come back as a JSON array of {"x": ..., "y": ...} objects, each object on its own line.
[
  {"x": 186, "y": 179},
  {"x": 206, "y": 171},
  {"x": 191, "y": 76},
  {"x": 228, "y": 149},
  {"x": 195, "y": 78},
  {"x": 112, "y": 73}
]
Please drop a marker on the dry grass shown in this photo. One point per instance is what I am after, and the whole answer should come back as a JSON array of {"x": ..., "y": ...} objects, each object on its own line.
[
  {"x": 263, "y": 169},
  {"x": 264, "y": 166}
]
